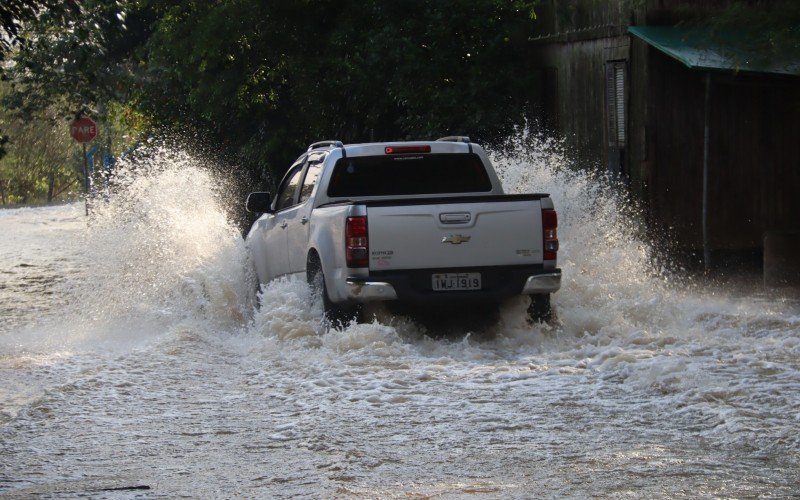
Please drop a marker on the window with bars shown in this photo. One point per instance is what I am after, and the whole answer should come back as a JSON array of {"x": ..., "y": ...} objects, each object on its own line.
[{"x": 615, "y": 97}]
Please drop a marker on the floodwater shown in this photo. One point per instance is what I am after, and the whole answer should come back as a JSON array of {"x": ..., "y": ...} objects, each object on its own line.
[{"x": 134, "y": 363}]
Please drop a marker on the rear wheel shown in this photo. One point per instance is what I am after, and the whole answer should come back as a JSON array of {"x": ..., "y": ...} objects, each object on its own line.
[
  {"x": 540, "y": 310},
  {"x": 338, "y": 315}
]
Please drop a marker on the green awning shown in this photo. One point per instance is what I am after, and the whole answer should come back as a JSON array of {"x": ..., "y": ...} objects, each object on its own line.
[{"x": 700, "y": 48}]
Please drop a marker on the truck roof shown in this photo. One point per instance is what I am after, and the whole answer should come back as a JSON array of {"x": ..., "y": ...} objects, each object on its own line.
[
  {"x": 334, "y": 143},
  {"x": 449, "y": 145}
]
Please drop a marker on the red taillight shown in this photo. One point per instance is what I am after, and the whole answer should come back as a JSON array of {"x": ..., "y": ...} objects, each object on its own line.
[
  {"x": 550, "y": 233},
  {"x": 396, "y": 150},
  {"x": 356, "y": 242}
]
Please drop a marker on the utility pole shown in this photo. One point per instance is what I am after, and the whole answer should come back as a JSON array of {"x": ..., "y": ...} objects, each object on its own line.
[
  {"x": 84, "y": 130},
  {"x": 85, "y": 179}
]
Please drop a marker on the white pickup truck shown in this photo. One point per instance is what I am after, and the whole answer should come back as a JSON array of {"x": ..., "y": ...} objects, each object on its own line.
[{"x": 417, "y": 222}]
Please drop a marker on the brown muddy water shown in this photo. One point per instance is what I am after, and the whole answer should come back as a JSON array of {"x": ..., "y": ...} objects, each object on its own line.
[{"x": 134, "y": 363}]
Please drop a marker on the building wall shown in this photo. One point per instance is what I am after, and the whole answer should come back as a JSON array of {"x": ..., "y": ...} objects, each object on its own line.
[
  {"x": 578, "y": 69},
  {"x": 754, "y": 159},
  {"x": 754, "y": 123},
  {"x": 754, "y": 154},
  {"x": 674, "y": 124}
]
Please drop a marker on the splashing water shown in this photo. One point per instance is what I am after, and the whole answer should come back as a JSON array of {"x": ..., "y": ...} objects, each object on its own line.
[
  {"x": 159, "y": 252},
  {"x": 151, "y": 364},
  {"x": 609, "y": 277},
  {"x": 166, "y": 246}
]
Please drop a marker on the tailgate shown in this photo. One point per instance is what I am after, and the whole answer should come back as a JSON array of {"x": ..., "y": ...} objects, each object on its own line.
[{"x": 449, "y": 235}]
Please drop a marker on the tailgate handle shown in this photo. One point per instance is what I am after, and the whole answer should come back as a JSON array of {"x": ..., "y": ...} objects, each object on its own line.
[{"x": 455, "y": 218}]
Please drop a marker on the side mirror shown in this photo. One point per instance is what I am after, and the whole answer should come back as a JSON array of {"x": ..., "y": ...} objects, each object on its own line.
[{"x": 259, "y": 203}]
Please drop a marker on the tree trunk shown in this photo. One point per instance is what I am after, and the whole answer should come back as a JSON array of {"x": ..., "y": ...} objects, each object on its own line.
[
  {"x": 64, "y": 188},
  {"x": 51, "y": 183},
  {"x": 3, "y": 190}
]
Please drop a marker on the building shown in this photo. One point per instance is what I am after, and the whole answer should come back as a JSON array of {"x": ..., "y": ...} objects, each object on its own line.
[{"x": 705, "y": 131}]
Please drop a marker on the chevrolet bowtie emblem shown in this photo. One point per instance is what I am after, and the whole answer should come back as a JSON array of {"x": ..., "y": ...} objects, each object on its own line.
[{"x": 456, "y": 239}]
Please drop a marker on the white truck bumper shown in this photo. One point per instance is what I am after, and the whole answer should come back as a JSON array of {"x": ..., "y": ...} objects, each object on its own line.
[
  {"x": 368, "y": 291},
  {"x": 359, "y": 289},
  {"x": 542, "y": 283}
]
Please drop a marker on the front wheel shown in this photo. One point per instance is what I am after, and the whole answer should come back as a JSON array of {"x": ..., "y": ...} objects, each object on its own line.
[
  {"x": 540, "y": 310},
  {"x": 338, "y": 315}
]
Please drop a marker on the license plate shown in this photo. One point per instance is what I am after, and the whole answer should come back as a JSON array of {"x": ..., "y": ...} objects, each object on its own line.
[{"x": 456, "y": 281}]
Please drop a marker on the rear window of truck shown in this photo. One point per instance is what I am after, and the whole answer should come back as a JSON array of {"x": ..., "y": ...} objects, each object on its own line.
[{"x": 408, "y": 175}]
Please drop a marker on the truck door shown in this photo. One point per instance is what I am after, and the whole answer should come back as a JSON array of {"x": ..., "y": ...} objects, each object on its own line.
[
  {"x": 298, "y": 226},
  {"x": 275, "y": 234}
]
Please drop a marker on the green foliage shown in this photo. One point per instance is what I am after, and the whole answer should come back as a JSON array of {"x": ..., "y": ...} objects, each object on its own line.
[
  {"x": 43, "y": 163},
  {"x": 267, "y": 78},
  {"x": 774, "y": 25},
  {"x": 122, "y": 127},
  {"x": 40, "y": 161},
  {"x": 761, "y": 30},
  {"x": 74, "y": 59},
  {"x": 13, "y": 15},
  {"x": 263, "y": 79},
  {"x": 271, "y": 77},
  {"x": 69, "y": 58}
]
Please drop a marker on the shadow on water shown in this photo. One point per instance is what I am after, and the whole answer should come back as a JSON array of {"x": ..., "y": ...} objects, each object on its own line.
[{"x": 447, "y": 322}]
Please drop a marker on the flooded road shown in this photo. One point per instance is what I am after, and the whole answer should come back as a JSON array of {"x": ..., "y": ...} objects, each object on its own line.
[{"x": 134, "y": 363}]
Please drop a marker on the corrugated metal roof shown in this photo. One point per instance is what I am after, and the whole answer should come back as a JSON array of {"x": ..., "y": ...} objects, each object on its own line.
[{"x": 704, "y": 49}]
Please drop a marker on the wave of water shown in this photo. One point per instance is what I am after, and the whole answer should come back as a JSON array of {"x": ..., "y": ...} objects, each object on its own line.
[
  {"x": 619, "y": 315},
  {"x": 640, "y": 374}
]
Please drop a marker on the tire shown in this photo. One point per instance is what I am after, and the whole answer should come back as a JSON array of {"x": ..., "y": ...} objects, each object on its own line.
[
  {"x": 257, "y": 296},
  {"x": 540, "y": 310},
  {"x": 337, "y": 315}
]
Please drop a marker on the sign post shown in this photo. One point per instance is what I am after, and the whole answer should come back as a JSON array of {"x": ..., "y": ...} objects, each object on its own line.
[{"x": 84, "y": 130}]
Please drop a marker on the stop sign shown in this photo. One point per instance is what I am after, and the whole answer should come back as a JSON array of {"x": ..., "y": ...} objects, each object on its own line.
[{"x": 83, "y": 130}]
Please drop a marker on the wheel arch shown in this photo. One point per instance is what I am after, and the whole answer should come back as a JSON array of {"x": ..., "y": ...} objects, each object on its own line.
[
  {"x": 322, "y": 244},
  {"x": 312, "y": 259}
]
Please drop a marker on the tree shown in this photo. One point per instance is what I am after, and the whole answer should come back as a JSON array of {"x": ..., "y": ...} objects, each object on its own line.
[
  {"x": 69, "y": 58},
  {"x": 266, "y": 78},
  {"x": 14, "y": 14},
  {"x": 766, "y": 31},
  {"x": 269, "y": 78},
  {"x": 40, "y": 162},
  {"x": 74, "y": 59}
]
